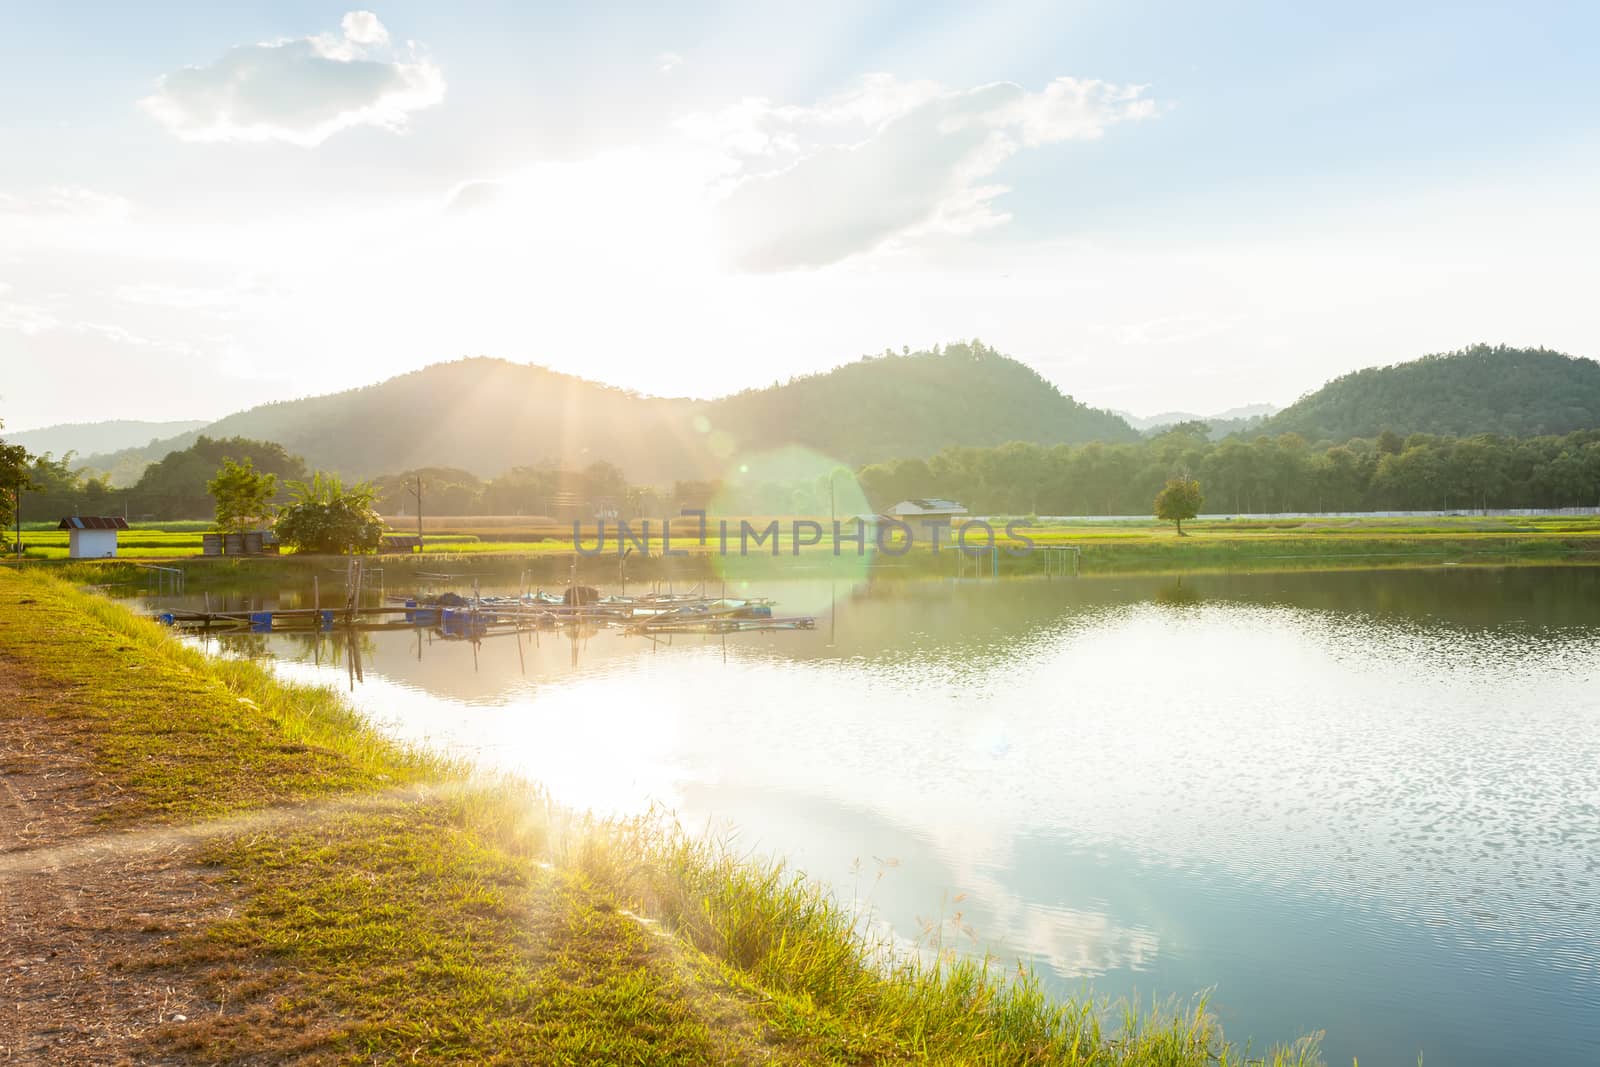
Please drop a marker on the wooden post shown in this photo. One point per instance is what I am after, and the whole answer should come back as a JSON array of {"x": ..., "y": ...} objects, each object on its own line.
[{"x": 355, "y": 590}]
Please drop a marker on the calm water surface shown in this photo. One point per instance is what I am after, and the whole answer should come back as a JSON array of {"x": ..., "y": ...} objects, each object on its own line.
[{"x": 1366, "y": 803}]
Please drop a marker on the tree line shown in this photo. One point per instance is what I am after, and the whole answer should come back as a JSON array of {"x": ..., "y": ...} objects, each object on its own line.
[
  {"x": 174, "y": 487},
  {"x": 1263, "y": 474}
]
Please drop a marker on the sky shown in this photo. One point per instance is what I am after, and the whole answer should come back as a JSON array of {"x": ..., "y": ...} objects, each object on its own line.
[{"x": 1160, "y": 206}]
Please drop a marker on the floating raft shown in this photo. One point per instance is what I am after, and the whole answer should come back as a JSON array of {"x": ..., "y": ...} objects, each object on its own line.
[
  {"x": 722, "y": 625},
  {"x": 455, "y": 617},
  {"x": 287, "y": 618}
]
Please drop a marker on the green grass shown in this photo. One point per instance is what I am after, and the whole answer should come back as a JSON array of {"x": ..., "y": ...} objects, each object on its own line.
[
  {"x": 414, "y": 911},
  {"x": 1123, "y": 547},
  {"x": 1155, "y": 556},
  {"x": 426, "y": 938},
  {"x": 184, "y": 734}
]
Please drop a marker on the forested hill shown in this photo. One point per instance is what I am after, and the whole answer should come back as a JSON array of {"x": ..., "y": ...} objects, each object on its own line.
[
  {"x": 1517, "y": 392},
  {"x": 915, "y": 404},
  {"x": 85, "y": 438},
  {"x": 483, "y": 415},
  {"x": 488, "y": 415}
]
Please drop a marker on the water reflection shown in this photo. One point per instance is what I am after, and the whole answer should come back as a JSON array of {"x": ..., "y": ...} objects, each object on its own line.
[{"x": 1365, "y": 802}]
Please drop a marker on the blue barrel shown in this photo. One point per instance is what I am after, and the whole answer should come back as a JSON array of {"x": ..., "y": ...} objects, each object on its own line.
[
  {"x": 166, "y": 617},
  {"x": 411, "y": 615},
  {"x": 260, "y": 621},
  {"x": 327, "y": 619}
]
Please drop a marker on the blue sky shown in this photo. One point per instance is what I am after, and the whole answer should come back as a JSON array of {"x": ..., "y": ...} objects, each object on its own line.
[{"x": 1159, "y": 205}]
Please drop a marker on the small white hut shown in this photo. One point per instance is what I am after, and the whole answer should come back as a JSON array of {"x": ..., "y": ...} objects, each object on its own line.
[
  {"x": 940, "y": 511},
  {"x": 93, "y": 536}
]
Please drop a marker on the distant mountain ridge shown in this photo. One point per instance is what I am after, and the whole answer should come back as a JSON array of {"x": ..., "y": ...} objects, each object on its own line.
[
  {"x": 1516, "y": 392},
  {"x": 486, "y": 415},
  {"x": 1223, "y": 423},
  {"x": 86, "y": 438}
]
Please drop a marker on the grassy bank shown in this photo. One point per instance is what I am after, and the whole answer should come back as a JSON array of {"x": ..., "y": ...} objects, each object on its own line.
[{"x": 393, "y": 906}]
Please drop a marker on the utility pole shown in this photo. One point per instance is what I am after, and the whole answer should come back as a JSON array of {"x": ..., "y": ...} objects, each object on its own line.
[{"x": 416, "y": 491}]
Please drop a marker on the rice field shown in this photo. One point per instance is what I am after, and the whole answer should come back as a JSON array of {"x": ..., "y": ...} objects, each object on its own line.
[{"x": 1112, "y": 544}]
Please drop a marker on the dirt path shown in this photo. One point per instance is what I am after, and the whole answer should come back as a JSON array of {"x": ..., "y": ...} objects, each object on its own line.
[
  {"x": 99, "y": 916},
  {"x": 74, "y": 920},
  {"x": 185, "y": 878},
  {"x": 49, "y": 789}
]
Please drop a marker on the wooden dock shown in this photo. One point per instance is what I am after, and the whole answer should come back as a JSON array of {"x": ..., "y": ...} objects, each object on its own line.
[
  {"x": 276, "y": 618},
  {"x": 483, "y": 616}
]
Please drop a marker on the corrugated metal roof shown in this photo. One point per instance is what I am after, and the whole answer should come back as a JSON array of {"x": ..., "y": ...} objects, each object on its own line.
[
  {"x": 935, "y": 506},
  {"x": 93, "y": 522}
]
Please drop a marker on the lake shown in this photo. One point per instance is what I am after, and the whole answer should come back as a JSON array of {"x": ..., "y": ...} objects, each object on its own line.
[{"x": 1360, "y": 802}]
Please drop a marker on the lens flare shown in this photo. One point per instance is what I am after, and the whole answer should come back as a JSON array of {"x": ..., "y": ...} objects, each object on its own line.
[{"x": 775, "y": 515}]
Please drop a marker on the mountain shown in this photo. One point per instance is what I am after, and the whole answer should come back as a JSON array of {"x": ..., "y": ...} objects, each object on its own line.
[
  {"x": 87, "y": 438},
  {"x": 487, "y": 415},
  {"x": 898, "y": 406},
  {"x": 1518, "y": 392},
  {"x": 1223, "y": 423}
]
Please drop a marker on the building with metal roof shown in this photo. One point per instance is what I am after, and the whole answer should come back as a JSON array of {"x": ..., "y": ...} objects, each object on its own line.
[{"x": 92, "y": 536}]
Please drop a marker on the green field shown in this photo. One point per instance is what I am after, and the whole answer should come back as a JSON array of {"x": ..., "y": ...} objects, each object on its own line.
[{"x": 1106, "y": 547}]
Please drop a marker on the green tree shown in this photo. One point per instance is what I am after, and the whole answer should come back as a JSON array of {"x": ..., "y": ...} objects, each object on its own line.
[
  {"x": 14, "y": 470},
  {"x": 323, "y": 516},
  {"x": 1180, "y": 500},
  {"x": 243, "y": 495},
  {"x": 48, "y": 474},
  {"x": 176, "y": 486}
]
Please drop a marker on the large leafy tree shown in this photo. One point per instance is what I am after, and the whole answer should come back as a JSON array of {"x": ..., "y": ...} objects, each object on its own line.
[
  {"x": 1180, "y": 500},
  {"x": 324, "y": 516},
  {"x": 14, "y": 477},
  {"x": 243, "y": 495}
]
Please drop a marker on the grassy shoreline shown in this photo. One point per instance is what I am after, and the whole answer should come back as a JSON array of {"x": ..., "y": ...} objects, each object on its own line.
[
  {"x": 392, "y": 903},
  {"x": 1125, "y": 551},
  {"x": 1111, "y": 547}
]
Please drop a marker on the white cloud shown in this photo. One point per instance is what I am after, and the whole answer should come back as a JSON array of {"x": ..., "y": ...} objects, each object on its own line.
[
  {"x": 300, "y": 90},
  {"x": 33, "y": 320},
  {"x": 809, "y": 186},
  {"x": 363, "y": 27},
  {"x": 667, "y": 62}
]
